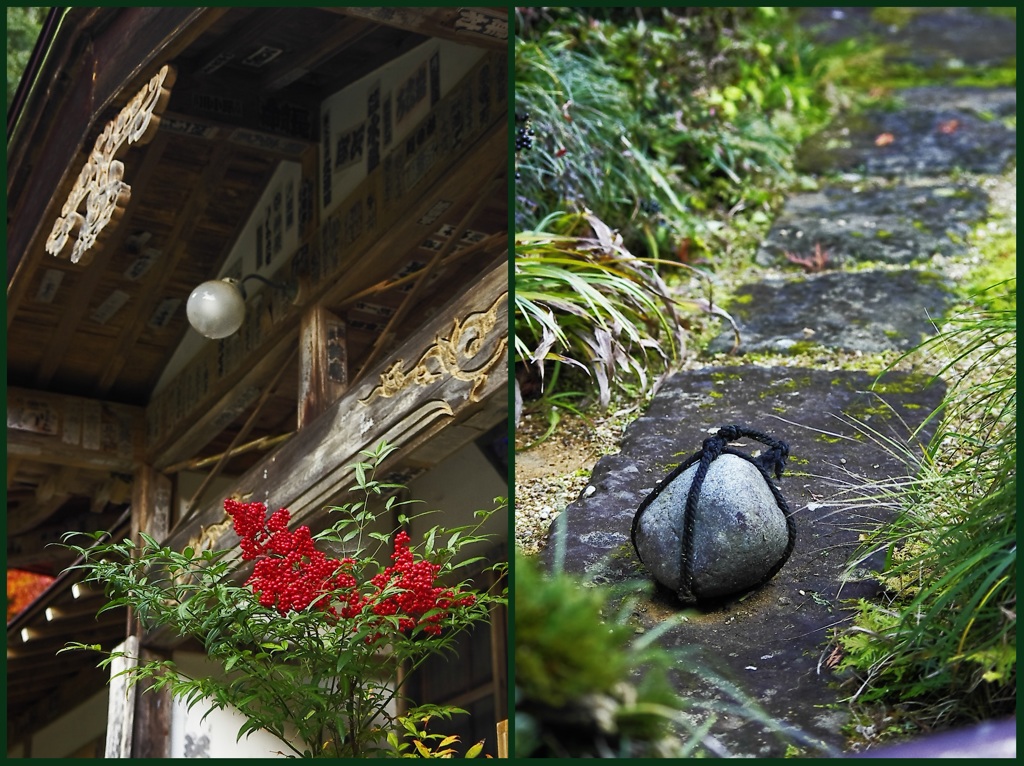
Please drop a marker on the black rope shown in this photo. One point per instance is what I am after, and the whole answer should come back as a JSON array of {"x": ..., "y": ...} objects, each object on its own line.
[{"x": 771, "y": 462}]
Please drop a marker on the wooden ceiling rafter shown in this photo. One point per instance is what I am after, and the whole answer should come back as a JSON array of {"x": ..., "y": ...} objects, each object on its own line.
[
  {"x": 261, "y": 444},
  {"x": 484, "y": 159},
  {"x": 175, "y": 250},
  {"x": 302, "y": 63},
  {"x": 499, "y": 241},
  {"x": 359, "y": 70},
  {"x": 243, "y": 37},
  {"x": 188, "y": 439},
  {"x": 221, "y": 128},
  {"x": 432, "y": 22}
]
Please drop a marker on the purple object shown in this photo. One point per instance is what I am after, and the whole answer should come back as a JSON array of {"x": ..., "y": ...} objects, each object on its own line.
[{"x": 990, "y": 739}]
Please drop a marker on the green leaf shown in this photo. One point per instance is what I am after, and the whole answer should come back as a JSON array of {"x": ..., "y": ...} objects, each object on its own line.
[{"x": 475, "y": 750}]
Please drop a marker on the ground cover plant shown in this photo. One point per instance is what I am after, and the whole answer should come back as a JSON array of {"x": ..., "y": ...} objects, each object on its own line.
[
  {"x": 673, "y": 129},
  {"x": 589, "y": 683}
]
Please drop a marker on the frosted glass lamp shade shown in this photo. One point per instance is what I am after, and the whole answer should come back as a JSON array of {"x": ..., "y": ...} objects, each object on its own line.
[{"x": 216, "y": 308}]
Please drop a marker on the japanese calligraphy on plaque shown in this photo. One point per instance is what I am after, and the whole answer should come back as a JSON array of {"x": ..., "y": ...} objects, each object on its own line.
[{"x": 100, "y": 186}]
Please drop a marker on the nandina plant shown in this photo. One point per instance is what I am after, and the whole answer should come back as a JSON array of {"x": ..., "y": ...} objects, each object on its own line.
[{"x": 310, "y": 643}]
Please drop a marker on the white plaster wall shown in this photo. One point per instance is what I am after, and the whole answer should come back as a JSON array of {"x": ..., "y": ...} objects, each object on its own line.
[
  {"x": 458, "y": 486},
  {"x": 192, "y": 737},
  {"x": 214, "y": 737}
]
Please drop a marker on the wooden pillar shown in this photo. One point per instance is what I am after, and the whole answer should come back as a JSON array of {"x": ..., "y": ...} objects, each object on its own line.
[
  {"x": 139, "y": 720},
  {"x": 121, "y": 702},
  {"x": 323, "y": 363},
  {"x": 151, "y": 503}
]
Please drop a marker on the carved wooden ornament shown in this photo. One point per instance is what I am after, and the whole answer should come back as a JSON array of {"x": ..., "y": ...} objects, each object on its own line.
[
  {"x": 457, "y": 356},
  {"x": 100, "y": 185}
]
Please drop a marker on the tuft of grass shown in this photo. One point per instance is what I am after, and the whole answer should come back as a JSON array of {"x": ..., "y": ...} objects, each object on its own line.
[
  {"x": 944, "y": 640},
  {"x": 591, "y": 682},
  {"x": 588, "y": 302}
]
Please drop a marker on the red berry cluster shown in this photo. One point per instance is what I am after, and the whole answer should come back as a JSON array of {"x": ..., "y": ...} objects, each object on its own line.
[
  {"x": 417, "y": 594},
  {"x": 291, "y": 574}
]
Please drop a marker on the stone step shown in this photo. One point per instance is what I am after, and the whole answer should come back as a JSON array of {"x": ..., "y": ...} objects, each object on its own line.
[
  {"x": 923, "y": 141},
  {"x": 900, "y": 224},
  {"x": 867, "y": 311},
  {"x": 769, "y": 641},
  {"x": 937, "y": 39}
]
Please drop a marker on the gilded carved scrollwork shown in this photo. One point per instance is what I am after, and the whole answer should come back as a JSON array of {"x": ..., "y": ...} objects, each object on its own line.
[
  {"x": 100, "y": 184},
  {"x": 456, "y": 356}
]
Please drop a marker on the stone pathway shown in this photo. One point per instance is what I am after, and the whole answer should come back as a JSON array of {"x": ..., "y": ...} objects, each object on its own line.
[{"x": 883, "y": 209}]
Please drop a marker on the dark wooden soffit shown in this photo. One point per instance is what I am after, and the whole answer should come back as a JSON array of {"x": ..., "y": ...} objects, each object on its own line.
[
  {"x": 193, "y": 188},
  {"x": 71, "y": 92},
  {"x": 484, "y": 27}
]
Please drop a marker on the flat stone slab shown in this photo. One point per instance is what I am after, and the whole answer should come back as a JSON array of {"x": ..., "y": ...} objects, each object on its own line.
[
  {"x": 984, "y": 102},
  {"x": 922, "y": 141},
  {"x": 868, "y": 311},
  {"x": 900, "y": 224},
  {"x": 771, "y": 639},
  {"x": 932, "y": 38}
]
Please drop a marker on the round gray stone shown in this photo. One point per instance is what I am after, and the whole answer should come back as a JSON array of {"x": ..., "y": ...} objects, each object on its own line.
[{"x": 740, "y": 533}]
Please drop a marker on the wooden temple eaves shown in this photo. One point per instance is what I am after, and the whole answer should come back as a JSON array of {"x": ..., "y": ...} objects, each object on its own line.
[{"x": 394, "y": 326}]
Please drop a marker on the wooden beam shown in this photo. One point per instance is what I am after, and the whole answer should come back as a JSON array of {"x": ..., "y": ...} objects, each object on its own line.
[
  {"x": 482, "y": 27},
  {"x": 396, "y": 213},
  {"x": 121, "y": 703},
  {"x": 33, "y": 548},
  {"x": 151, "y": 710},
  {"x": 323, "y": 363},
  {"x": 297, "y": 64},
  {"x": 242, "y": 433},
  {"x": 386, "y": 337},
  {"x": 263, "y": 443},
  {"x": 480, "y": 249},
  {"x": 198, "y": 431},
  {"x": 152, "y": 723},
  {"x": 151, "y": 503},
  {"x": 73, "y": 431}
]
